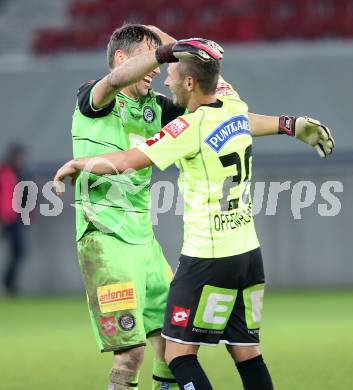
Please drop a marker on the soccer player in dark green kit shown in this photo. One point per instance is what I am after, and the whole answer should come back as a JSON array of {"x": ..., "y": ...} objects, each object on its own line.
[
  {"x": 125, "y": 273},
  {"x": 217, "y": 292}
]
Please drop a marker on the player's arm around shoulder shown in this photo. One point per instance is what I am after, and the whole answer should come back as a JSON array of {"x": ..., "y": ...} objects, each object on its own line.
[
  {"x": 166, "y": 147},
  {"x": 104, "y": 164},
  {"x": 308, "y": 130},
  {"x": 260, "y": 125},
  {"x": 128, "y": 71}
]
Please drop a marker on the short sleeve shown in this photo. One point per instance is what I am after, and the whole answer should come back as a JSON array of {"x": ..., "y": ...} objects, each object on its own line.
[
  {"x": 84, "y": 101},
  {"x": 178, "y": 139}
]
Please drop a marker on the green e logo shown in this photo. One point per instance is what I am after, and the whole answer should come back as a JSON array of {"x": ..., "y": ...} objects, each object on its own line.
[
  {"x": 253, "y": 297},
  {"x": 215, "y": 307}
]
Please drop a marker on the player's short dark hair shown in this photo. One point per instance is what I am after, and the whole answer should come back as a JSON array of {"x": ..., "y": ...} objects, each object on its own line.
[
  {"x": 206, "y": 73},
  {"x": 127, "y": 37}
]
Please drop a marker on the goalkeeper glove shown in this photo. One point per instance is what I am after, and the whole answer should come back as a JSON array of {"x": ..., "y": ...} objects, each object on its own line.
[
  {"x": 308, "y": 130},
  {"x": 200, "y": 48}
]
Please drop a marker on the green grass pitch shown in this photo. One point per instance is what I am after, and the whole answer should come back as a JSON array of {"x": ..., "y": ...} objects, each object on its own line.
[{"x": 307, "y": 340}]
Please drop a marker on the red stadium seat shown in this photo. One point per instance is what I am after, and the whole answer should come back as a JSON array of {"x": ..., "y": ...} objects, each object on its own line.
[
  {"x": 50, "y": 40},
  {"x": 277, "y": 19},
  {"x": 171, "y": 19},
  {"x": 344, "y": 19},
  {"x": 224, "y": 20},
  {"x": 123, "y": 11},
  {"x": 240, "y": 21},
  {"x": 316, "y": 19},
  {"x": 85, "y": 9},
  {"x": 84, "y": 40}
]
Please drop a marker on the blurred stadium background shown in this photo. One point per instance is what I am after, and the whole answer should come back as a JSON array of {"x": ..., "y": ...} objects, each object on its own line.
[{"x": 282, "y": 56}]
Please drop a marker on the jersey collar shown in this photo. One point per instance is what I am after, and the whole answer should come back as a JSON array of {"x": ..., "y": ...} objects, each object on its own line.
[{"x": 217, "y": 104}]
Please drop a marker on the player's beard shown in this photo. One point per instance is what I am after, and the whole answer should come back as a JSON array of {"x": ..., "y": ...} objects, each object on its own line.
[{"x": 180, "y": 98}]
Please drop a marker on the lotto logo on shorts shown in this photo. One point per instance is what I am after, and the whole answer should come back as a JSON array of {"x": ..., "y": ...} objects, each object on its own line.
[
  {"x": 189, "y": 386},
  {"x": 176, "y": 127},
  {"x": 115, "y": 297},
  {"x": 108, "y": 325},
  {"x": 180, "y": 316}
]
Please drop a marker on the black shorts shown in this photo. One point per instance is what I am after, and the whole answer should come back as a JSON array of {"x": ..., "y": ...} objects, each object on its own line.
[{"x": 215, "y": 301}]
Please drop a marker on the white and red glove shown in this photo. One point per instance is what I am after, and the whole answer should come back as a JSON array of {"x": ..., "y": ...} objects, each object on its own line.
[
  {"x": 308, "y": 130},
  {"x": 200, "y": 48}
]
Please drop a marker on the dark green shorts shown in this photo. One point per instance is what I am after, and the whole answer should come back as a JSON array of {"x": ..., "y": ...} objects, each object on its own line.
[{"x": 127, "y": 287}]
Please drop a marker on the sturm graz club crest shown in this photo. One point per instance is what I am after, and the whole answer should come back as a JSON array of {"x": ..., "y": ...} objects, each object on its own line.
[
  {"x": 148, "y": 114},
  {"x": 127, "y": 321}
]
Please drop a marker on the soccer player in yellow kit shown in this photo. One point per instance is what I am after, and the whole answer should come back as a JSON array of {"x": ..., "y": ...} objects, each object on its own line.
[{"x": 216, "y": 295}]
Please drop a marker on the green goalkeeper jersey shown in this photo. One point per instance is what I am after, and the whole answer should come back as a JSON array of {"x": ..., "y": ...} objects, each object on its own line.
[
  {"x": 116, "y": 204},
  {"x": 212, "y": 148}
]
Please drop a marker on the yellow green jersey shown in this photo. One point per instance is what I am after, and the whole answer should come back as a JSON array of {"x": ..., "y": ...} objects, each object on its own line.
[{"x": 212, "y": 149}]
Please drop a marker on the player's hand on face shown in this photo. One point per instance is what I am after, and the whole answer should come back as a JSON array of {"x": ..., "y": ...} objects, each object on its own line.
[
  {"x": 315, "y": 134},
  {"x": 204, "y": 49},
  {"x": 67, "y": 169}
]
